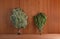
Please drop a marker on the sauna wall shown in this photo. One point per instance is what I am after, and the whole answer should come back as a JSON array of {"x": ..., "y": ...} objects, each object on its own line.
[{"x": 31, "y": 7}]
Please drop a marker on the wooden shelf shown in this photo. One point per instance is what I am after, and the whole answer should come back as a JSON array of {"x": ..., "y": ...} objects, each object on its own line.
[{"x": 30, "y": 36}]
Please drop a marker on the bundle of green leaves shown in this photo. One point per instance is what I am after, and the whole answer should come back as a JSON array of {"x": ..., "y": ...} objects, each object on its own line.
[
  {"x": 40, "y": 20},
  {"x": 19, "y": 18}
]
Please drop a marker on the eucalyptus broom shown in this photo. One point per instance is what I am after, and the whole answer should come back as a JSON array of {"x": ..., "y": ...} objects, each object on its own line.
[
  {"x": 19, "y": 18},
  {"x": 40, "y": 20}
]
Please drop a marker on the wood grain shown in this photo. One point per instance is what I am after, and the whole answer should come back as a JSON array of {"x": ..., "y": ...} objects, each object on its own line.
[
  {"x": 31, "y": 7},
  {"x": 30, "y": 36}
]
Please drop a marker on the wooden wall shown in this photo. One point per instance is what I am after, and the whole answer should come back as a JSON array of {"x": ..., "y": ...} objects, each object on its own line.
[{"x": 50, "y": 7}]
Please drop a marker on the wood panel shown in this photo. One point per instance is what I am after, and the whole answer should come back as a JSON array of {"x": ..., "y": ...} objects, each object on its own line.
[
  {"x": 30, "y": 36},
  {"x": 5, "y": 10},
  {"x": 31, "y": 7},
  {"x": 49, "y": 7}
]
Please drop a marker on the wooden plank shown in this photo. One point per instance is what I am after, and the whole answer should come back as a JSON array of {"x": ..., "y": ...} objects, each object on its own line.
[{"x": 30, "y": 36}]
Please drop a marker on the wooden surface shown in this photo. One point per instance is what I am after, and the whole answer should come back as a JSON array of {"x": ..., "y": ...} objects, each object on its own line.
[
  {"x": 31, "y": 7},
  {"x": 30, "y": 36}
]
